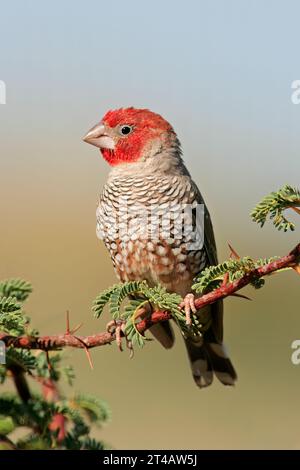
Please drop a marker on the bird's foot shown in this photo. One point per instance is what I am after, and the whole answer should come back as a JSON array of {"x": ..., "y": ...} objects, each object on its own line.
[
  {"x": 117, "y": 328},
  {"x": 189, "y": 307}
]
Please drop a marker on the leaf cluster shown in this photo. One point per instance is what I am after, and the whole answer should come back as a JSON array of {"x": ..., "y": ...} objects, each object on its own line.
[
  {"x": 141, "y": 299},
  {"x": 273, "y": 206},
  {"x": 212, "y": 277},
  {"x": 80, "y": 412}
]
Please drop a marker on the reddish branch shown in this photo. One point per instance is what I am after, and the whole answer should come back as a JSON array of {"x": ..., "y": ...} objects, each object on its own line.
[{"x": 47, "y": 343}]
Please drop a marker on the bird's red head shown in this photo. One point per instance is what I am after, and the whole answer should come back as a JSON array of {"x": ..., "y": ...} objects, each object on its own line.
[{"x": 127, "y": 135}]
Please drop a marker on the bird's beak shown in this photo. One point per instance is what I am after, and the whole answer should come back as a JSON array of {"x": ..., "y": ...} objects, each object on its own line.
[{"x": 98, "y": 137}]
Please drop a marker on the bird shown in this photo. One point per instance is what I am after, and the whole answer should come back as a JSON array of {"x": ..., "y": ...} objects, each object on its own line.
[{"x": 148, "y": 174}]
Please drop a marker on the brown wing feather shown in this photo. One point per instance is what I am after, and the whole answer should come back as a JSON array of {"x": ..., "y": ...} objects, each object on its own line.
[{"x": 211, "y": 252}]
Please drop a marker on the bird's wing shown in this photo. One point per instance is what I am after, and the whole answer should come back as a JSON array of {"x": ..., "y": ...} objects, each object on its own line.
[{"x": 211, "y": 252}]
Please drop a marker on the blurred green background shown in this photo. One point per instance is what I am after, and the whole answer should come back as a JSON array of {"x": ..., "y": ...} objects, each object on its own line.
[{"x": 221, "y": 73}]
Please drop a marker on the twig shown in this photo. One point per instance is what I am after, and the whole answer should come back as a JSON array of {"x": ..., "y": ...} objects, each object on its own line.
[
  {"x": 20, "y": 382},
  {"x": 59, "y": 341}
]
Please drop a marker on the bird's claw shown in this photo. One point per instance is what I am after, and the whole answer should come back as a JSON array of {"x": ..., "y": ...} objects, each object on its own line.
[
  {"x": 117, "y": 328},
  {"x": 189, "y": 308}
]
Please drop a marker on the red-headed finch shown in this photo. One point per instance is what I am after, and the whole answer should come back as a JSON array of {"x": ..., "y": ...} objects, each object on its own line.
[{"x": 148, "y": 177}]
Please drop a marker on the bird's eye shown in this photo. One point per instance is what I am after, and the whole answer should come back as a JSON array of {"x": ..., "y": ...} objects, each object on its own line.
[{"x": 125, "y": 130}]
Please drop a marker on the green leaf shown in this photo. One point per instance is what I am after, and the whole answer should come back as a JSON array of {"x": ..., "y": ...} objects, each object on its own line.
[
  {"x": 37, "y": 413},
  {"x": 211, "y": 277},
  {"x": 9, "y": 304},
  {"x": 33, "y": 442},
  {"x": 17, "y": 288},
  {"x": 96, "y": 410},
  {"x": 115, "y": 296},
  {"x": 91, "y": 444},
  {"x": 121, "y": 292},
  {"x": 274, "y": 205},
  {"x": 6, "y": 425},
  {"x": 102, "y": 299},
  {"x": 22, "y": 357},
  {"x": 12, "y": 320}
]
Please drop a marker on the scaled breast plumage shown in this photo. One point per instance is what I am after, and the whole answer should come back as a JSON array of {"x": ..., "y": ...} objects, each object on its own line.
[{"x": 137, "y": 218}]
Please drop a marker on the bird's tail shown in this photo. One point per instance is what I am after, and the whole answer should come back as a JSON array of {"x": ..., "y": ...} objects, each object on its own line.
[
  {"x": 163, "y": 332},
  {"x": 207, "y": 359}
]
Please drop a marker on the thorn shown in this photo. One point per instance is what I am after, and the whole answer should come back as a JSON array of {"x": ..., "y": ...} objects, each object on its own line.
[
  {"x": 48, "y": 360},
  {"x": 225, "y": 279},
  {"x": 296, "y": 210},
  {"x": 76, "y": 328},
  {"x": 241, "y": 296},
  {"x": 297, "y": 268},
  {"x": 69, "y": 331},
  {"x": 68, "y": 322},
  {"x": 233, "y": 253},
  {"x": 87, "y": 352}
]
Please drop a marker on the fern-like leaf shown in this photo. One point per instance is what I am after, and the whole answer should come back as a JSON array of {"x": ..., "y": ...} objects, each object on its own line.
[
  {"x": 212, "y": 277},
  {"x": 91, "y": 444},
  {"x": 122, "y": 292},
  {"x": 274, "y": 205},
  {"x": 102, "y": 299},
  {"x": 17, "y": 288},
  {"x": 9, "y": 304},
  {"x": 96, "y": 410},
  {"x": 12, "y": 320},
  {"x": 23, "y": 358}
]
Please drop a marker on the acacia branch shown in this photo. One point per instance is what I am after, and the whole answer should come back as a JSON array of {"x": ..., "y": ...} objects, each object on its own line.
[{"x": 54, "y": 342}]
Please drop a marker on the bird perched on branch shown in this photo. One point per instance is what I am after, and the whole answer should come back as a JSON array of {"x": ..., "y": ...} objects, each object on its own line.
[{"x": 140, "y": 215}]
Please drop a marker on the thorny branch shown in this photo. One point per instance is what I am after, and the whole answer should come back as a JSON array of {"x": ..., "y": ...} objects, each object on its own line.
[{"x": 68, "y": 339}]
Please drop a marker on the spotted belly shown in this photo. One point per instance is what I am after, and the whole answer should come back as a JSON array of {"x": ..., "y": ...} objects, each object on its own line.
[
  {"x": 170, "y": 265},
  {"x": 148, "y": 233}
]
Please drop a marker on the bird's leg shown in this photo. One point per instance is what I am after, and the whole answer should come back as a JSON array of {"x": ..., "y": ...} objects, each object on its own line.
[
  {"x": 189, "y": 307},
  {"x": 117, "y": 328}
]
